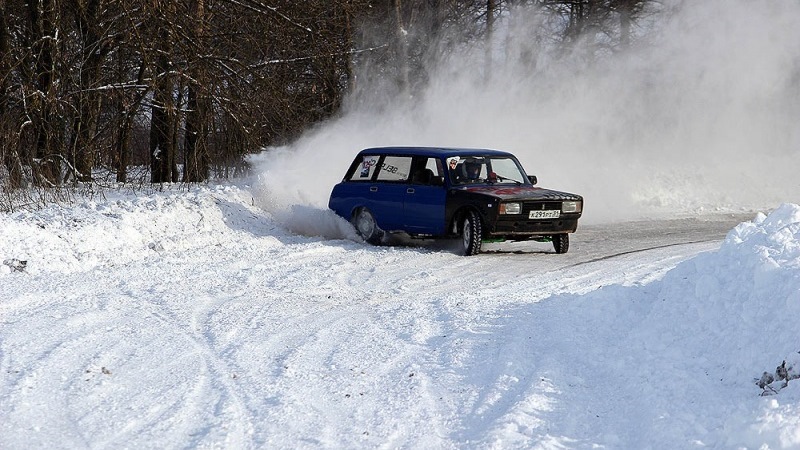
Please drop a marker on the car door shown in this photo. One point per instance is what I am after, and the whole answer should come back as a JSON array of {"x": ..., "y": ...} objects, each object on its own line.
[
  {"x": 387, "y": 193},
  {"x": 424, "y": 201}
]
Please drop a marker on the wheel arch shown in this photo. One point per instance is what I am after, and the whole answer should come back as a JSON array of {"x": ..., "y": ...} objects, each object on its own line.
[
  {"x": 355, "y": 209},
  {"x": 456, "y": 223}
]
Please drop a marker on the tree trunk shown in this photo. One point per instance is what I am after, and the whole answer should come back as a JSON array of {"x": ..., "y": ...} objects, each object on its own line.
[
  {"x": 625, "y": 18},
  {"x": 47, "y": 167},
  {"x": 491, "y": 8},
  {"x": 5, "y": 63},
  {"x": 163, "y": 114},
  {"x": 123, "y": 150},
  {"x": 162, "y": 149},
  {"x": 351, "y": 80},
  {"x": 401, "y": 47},
  {"x": 197, "y": 164},
  {"x": 8, "y": 150},
  {"x": 128, "y": 110},
  {"x": 84, "y": 127}
]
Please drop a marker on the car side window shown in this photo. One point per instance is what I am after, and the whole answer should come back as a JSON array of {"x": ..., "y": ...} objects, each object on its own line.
[
  {"x": 365, "y": 168},
  {"x": 426, "y": 171},
  {"x": 395, "y": 168}
]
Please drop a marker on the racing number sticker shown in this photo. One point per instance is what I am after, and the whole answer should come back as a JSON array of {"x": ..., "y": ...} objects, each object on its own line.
[{"x": 367, "y": 165}]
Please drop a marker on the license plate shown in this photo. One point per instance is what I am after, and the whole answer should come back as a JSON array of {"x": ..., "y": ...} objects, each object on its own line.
[{"x": 547, "y": 214}]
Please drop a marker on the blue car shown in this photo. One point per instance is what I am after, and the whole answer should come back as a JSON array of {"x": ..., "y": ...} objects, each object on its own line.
[{"x": 475, "y": 194}]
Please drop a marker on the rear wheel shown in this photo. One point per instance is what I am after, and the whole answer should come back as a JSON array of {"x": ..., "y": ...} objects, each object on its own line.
[
  {"x": 471, "y": 234},
  {"x": 367, "y": 228},
  {"x": 561, "y": 242}
]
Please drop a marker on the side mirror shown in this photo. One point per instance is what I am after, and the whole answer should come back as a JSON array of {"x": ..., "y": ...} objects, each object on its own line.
[{"x": 533, "y": 179}]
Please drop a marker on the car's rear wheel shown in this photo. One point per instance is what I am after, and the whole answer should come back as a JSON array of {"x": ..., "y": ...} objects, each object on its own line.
[
  {"x": 561, "y": 242},
  {"x": 471, "y": 234},
  {"x": 366, "y": 226}
]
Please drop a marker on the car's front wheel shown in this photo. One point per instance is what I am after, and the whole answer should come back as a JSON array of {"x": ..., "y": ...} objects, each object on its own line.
[
  {"x": 366, "y": 226},
  {"x": 561, "y": 242},
  {"x": 471, "y": 234}
]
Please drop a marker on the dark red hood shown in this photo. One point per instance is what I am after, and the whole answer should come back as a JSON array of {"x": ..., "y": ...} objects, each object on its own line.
[{"x": 524, "y": 192}]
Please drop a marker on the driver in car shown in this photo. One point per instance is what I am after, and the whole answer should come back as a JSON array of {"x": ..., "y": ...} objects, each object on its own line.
[{"x": 471, "y": 171}]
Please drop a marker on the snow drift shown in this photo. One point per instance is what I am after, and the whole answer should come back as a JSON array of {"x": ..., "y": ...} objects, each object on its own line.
[{"x": 707, "y": 330}]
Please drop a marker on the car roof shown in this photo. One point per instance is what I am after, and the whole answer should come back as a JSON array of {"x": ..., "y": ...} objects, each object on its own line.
[{"x": 434, "y": 151}]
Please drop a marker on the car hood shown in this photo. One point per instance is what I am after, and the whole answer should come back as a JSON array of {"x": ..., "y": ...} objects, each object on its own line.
[{"x": 521, "y": 193}]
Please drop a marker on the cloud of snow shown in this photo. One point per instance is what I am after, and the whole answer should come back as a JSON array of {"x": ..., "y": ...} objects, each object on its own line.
[{"x": 701, "y": 117}]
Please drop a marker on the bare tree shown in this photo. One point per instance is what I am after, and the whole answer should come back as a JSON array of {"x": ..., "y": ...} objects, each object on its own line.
[
  {"x": 8, "y": 150},
  {"x": 129, "y": 71},
  {"x": 197, "y": 157},
  {"x": 42, "y": 110},
  {"x": 91, "y": 28},
  {"x": 112, "y": 84},
  {"x": 164, "y": 117},
  {"x": 628, "y": 11},
  {"x": 599, "y": 21}
]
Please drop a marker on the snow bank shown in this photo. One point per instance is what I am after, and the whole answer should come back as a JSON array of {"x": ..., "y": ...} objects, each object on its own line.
[
  {"x": 677, "y": 359},
  {"x": 739, "y": 309},
  {"x": 748, "y": 293},
  {"x": 122, "y": 228}
]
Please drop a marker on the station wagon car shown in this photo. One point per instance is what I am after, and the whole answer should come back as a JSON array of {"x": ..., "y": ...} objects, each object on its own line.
[{"x": 474, "y": 194}]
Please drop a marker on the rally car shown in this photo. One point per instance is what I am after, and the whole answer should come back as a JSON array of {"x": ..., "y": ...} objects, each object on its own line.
[{"x": 475, "y": 194}]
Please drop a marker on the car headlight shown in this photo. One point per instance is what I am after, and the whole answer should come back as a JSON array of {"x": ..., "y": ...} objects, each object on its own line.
[
  {"x": 510, "y": 208},
  {"x": 571, "y": 207}
]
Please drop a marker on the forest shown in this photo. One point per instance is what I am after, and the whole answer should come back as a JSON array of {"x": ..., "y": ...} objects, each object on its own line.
[{"x": 158, "y": 91}]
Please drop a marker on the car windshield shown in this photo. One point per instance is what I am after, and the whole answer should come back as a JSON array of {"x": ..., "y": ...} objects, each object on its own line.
[{"x": 485, "y": 169}]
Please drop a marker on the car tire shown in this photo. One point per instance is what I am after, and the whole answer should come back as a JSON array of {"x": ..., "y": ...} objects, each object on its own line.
[
  {"x": 471, "y": 234},
  {"x": 561, "y": 243},
  {"x": 366, "y": 226}
]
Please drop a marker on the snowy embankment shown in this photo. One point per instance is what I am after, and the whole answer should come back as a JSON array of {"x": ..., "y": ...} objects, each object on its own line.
[{"x": 192, "y": 318}]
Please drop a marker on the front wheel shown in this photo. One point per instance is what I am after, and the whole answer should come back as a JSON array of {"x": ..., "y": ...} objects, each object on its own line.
[
  {"x": 561, "y": 243},
  {"x": 367, "y": 228},
  {"x": 471, "y": 234}
]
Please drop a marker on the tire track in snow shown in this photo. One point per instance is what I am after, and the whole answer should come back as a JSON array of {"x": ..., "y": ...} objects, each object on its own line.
[
  {"x": 334, "y": 359},
  {"x": 646, "y": 249},
  {"x": 79, "y": 371},
  {"x": 341, "y": 356},
  {"x": 494, "y": 396},
  {"x": 216, "y": 373}
]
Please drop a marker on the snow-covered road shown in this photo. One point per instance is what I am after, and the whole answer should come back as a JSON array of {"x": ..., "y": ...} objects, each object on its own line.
[{"x": 192, "y": 319}]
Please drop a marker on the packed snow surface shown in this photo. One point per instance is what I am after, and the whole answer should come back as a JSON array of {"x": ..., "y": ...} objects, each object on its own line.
[{"x": 192, "y": 318}]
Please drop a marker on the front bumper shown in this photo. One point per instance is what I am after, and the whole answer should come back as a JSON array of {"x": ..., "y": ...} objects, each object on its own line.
[
  {"x": 522, "y": 226},
  {"x": 519, "y": 225}
]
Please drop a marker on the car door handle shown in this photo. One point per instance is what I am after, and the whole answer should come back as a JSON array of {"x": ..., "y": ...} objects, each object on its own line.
[
  {"x": 410, "y": 191},
  {"x": 373, "y": 189}
]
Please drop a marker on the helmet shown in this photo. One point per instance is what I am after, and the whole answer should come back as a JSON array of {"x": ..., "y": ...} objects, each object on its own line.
[{"x": 472, "y": 168}]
